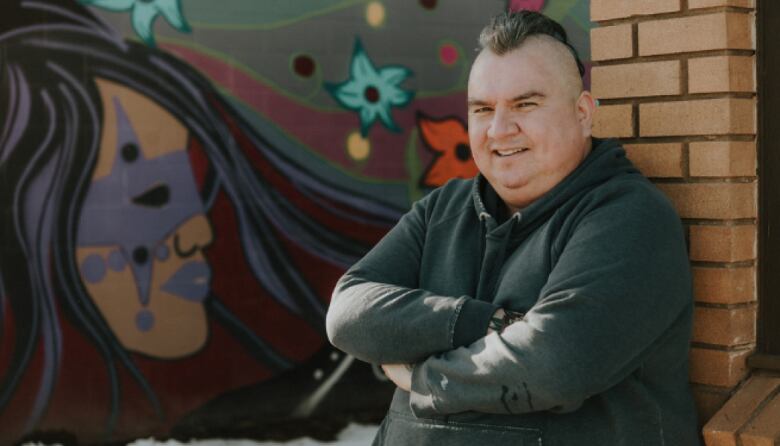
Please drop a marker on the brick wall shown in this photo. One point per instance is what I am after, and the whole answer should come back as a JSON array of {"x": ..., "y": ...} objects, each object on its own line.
[{"x": 675, "y": 81}]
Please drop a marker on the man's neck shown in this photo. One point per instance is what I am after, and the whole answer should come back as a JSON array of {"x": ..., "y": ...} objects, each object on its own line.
[{"x": 511, "y": 210}]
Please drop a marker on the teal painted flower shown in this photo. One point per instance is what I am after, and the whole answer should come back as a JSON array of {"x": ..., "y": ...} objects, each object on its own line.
[
  {"x": 144, "y": 13},
  {"x": 371, "y": 91}
]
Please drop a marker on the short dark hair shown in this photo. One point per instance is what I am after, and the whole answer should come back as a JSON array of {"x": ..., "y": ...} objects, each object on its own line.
[{"x": 508, "y": 30}]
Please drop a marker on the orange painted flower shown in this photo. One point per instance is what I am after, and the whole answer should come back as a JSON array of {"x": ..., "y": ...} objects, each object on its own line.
[{"x": 448, "y": 139}]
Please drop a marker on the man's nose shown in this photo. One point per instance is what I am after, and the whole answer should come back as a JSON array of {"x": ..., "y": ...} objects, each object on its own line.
[{"x": 502, "y": 125}]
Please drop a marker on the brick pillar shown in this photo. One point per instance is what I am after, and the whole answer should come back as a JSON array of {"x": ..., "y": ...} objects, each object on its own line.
[{"x": 675, "y": 81}]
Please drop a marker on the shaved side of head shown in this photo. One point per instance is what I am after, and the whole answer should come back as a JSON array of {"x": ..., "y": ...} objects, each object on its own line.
[{"x": 561, "y": 57}]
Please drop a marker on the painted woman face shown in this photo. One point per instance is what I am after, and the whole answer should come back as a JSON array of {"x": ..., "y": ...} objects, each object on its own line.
[{"x": 142, "y": 230}]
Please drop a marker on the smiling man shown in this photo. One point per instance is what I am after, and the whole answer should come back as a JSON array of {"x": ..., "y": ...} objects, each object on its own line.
[{"x": 547, "y": 301}]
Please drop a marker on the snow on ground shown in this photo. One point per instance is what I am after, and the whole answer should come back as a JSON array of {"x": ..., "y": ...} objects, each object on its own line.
[{"x": 352, "y": 435}]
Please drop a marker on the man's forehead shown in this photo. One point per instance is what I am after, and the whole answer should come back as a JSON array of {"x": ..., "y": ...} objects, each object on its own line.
[
  {"x": 536, "y": 64},
  {"x": 515, "y": 73},
  {"x": 540, "y": 51}
]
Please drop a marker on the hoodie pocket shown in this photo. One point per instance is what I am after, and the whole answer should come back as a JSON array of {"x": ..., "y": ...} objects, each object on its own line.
[{"x": 403, "y": 430}]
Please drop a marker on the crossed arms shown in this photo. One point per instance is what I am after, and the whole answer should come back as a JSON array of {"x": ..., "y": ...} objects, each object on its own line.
[{"x": 619, "y": 282}]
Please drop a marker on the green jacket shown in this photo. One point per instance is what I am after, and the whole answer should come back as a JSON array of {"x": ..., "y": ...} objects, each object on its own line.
[{"x": 599, "y": 267}]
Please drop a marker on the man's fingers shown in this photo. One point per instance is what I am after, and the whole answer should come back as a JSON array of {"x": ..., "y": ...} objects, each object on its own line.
[{"x": 399, "y": 374}]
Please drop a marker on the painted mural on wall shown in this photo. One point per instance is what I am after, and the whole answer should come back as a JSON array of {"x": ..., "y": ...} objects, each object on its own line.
[{"x": 183, "y": 181}]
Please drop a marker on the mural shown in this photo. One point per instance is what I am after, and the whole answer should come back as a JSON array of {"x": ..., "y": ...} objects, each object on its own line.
[
  {"x": 183, "y": 181},
  {"x": 448, "y": 139}
]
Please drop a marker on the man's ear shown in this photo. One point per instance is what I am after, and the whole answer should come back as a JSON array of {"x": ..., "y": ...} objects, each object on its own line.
[{"x": 586, "y": 107}]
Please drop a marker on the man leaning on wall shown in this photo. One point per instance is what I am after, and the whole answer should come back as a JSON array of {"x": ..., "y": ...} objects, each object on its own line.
[{"x": 548, "y": 300}]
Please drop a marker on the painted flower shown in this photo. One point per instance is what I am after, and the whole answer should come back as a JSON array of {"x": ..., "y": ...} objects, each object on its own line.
[
  {"x": 144, "y": 12},
  {"x": 531, "y": 5},
  {"x": 370, "y": 91},
  {"x": 448, "y": 139}
]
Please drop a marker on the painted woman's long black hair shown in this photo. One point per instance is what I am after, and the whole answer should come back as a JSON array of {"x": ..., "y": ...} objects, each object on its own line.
[{"x": 50, "y": 125}]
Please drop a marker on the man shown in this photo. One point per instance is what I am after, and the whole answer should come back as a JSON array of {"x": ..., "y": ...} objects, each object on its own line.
[{"x": 548, "y": 301}]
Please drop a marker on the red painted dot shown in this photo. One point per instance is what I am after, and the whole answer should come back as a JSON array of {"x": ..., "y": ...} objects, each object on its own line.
[
  {"x": 304, "y": 66},
  {"x": 428, "y": 4},
  {"x": 530, "y": 5},
  {"x": 371, "y": 94},
  {"x": 448, "y": 54}
]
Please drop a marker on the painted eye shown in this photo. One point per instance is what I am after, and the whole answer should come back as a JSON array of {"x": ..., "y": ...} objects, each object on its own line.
[
  {"x": 154, "y": 197},
  {"x": 130, "y": 152}
]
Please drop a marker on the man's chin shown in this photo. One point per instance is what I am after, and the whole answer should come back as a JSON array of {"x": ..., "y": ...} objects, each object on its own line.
[
  {"x": 509, "y": 185},
  {"x": 514, "y": 195}
]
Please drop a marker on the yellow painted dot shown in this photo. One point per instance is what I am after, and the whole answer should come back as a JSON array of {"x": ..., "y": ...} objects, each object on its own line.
[
  {"x": 358, "y": 147},
  {"x": 375, "y": 14}
]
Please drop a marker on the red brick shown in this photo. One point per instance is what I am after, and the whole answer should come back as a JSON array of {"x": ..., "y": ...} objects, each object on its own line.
[
  {"x": 718, "y": 367},
  {"x": 696, "y": 4},
  {"x": 617, "y": 9},
  {"x": 712, "y": 200},
  {"x": 722, "y": 159},
  {"x": 721, "y": 429},
  {"x": 611, "y": 42},
  {"x": 722, "y": 116},
  {"x": 724, "y": 285},
  {"x": 709, "y": 401},
  {"x": 764, "y": 428},
  {"x": 723, "y": 243},
  {"x": 656, "y": 160},
  {"x": 613, "y": 121},
  {"x": 636, "y": 80},
  {"x": 726, "y": 327},
  {"x": 717, "y": 31},
  {"x": 718, "y": 74}
]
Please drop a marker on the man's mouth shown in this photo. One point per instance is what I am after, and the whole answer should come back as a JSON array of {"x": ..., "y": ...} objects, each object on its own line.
[{"x": 510, "y": 152}]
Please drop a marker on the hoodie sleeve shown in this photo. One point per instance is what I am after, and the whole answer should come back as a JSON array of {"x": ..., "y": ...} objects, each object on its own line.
[
  {"x": 378, "y": 314},
  {"x": 620, "y": 285}
]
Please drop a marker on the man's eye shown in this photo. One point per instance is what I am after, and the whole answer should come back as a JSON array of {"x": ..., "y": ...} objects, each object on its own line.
[
  {"x": 525, "y": 104},
  {"x": 480, "y": 110}
]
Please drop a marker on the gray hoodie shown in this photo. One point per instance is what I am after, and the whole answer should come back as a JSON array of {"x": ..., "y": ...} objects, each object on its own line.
[{"x": 599, "y": 267}]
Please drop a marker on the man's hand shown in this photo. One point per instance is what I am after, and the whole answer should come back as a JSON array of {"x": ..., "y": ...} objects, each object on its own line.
[
  {"x": 498, "y": 315},
  {"x": 502, "y": 319},
  {"x": 400, "y": 375}
]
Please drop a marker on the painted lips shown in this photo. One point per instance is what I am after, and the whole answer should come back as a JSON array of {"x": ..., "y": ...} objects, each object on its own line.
[{"x": 191, "y": 282}]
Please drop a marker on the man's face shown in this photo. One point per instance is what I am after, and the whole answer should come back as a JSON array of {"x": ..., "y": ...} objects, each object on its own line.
[{"x": 529, "y": 122}]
